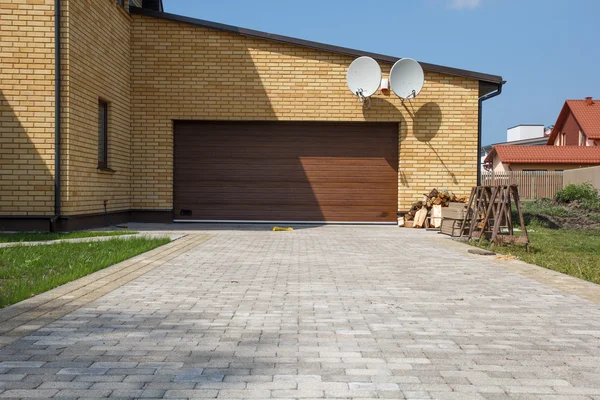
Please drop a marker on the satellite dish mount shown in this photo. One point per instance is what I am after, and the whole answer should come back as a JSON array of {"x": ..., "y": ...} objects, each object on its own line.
[{"x": 366, "y": 101}]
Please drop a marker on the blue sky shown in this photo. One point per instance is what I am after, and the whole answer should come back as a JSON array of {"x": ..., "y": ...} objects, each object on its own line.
[{"x": 547, "y": 50}]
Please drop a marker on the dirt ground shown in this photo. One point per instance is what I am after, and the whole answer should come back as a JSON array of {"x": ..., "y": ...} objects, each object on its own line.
[{"x": 577, "y": 216}]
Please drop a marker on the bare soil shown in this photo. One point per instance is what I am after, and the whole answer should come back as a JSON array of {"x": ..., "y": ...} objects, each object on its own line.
[{"x": 576, "y": 216}]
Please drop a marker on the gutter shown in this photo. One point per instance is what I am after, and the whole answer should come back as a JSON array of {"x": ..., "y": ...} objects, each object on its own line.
[
  {"x": 479, "y": 125},
  {"x": 57, "y": 107}
]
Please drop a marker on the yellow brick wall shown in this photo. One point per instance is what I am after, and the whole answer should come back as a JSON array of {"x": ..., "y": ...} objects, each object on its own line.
[
  {"x": 26, "y": 107},
  {"x": 97, "y": 55},
  {"x": 173, "y": 71},
  {"x": 181, "y": 72}
]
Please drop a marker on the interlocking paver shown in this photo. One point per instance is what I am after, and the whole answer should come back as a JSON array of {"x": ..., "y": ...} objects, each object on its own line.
[{"x": 326, "y": 312}]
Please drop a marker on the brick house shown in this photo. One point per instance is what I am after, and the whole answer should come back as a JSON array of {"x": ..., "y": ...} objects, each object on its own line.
[
  {"x": 573, "y": 143},
  {"x": 163, "y": 117}
]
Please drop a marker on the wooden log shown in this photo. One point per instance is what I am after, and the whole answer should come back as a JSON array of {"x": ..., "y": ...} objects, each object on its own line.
[
  {"x": 436, "y": 216},
  {"x": 420, "y": 217},
  {"x": 433, "y": 194}
]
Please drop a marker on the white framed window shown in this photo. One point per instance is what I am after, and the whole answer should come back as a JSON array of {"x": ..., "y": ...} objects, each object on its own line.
[{"x": 582, "y": 139}]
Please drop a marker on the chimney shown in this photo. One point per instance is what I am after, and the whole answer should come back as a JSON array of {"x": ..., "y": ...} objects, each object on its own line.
[{"x": 588, "y": 101}]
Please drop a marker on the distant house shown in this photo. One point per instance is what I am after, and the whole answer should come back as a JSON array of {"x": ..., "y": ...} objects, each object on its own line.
[
  {"x": 578, "y": 124},
  {"x": 541, "y": 158},
  {"x": 573, "y": 143}
]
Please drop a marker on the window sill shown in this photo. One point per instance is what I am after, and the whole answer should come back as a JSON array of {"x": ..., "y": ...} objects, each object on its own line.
[{"x": 103, "y": 169}]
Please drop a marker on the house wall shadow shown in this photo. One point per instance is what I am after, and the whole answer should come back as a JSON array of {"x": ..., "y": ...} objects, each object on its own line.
[{"x": 26, "y": 182}]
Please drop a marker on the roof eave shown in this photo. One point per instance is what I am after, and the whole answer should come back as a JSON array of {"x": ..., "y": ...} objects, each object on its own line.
[
  {"x": 313, "y": 45},
  {"x": 553, "y": 162},
  {"x": 490, "y": 157},
  {"x": 562, "y": 116}
]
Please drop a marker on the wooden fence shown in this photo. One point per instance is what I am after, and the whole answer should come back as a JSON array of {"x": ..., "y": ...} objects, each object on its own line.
[{"x": 532, "y": 184}]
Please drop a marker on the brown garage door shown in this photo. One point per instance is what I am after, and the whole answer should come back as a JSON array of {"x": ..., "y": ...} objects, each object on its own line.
[{"x": 286, "y": 171}]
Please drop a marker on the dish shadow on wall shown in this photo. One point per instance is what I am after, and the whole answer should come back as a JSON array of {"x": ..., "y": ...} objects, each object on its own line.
[{"x": 426, "y": 126}]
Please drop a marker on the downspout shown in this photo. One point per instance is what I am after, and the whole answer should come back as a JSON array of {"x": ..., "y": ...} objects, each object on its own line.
[
  {"x": 479, "y": 125},
  {"x": 57, "y": 106}
]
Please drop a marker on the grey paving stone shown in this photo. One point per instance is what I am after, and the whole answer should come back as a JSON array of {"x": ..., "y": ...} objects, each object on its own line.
[
  {"x": 83, "y": 371},
  {"x": 138, "y": 394},
  {"x": 296, "y": 378},
  {"x": 298, "y": 394},
  {"x": 78, "y": 394},
  {"x": 327, "y": 312},
  {"x": 34, "y": 393},
  {"x": 117, "y": 385},
  {"x": 21, "y": 364},
  {"x": 11, "y": 377},
  {"x": 186, "y": 394},
  {"x": 244, "y": 394},
  {"x": 65, "y": 385}
]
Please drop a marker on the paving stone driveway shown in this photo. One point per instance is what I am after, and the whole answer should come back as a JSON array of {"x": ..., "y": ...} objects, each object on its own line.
[{"x": 330, "y": 312}]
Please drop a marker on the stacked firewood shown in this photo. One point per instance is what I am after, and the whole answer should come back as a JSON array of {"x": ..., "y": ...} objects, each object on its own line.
[
  {"x": 443, "y": 198},
  {"x": 419, "y": 210}
]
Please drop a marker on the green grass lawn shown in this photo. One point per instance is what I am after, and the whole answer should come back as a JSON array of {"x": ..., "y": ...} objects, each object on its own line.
[
  {"x": 575, "y": 252},
  {"x": 29, "y": 270},
  {"x": 41, "y": 237},
  {"x": 563, "y": 233}
]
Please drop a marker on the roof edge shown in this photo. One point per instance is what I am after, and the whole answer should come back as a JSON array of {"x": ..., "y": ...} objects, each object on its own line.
[
  {"x": 490, "y": 157},
  {"x": 313, "y": 45},
  {"x": 558, "y": 125},
  {"x": 516, "y": 126}
]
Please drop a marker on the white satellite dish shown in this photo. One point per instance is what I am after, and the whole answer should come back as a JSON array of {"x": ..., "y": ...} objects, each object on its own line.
[
  {"x": 364, "y": 77},
  {"x": 407, "y": 78}
]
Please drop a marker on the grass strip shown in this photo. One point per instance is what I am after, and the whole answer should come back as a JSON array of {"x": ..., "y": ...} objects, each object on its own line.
[
  {"x": 570, "y": 251},
  {"x": 26, "y": 271}
]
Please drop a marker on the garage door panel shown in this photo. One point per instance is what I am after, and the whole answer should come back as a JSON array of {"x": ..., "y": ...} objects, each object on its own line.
[
  {"x": 345, "y": 179},
  {"x": 300, "y": 171},
  {"x": 281, "y": 199},
  {"x": 257, "y": 213},
  {"x": 237, "y": 170},
  {"x": 302, "y": 163},
  {"x": 272, "y": 189},
  {"x": 277, "y": 152},
  {"x": 190, "y": 168}
]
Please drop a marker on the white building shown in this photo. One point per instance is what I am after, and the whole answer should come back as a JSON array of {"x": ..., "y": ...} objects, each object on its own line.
[
  {"x": 523, "y": 132},
  {"x": 521, "y": 135}
]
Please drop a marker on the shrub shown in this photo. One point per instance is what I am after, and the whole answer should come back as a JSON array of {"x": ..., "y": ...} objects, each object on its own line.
[{"x": 583, "y": 193}]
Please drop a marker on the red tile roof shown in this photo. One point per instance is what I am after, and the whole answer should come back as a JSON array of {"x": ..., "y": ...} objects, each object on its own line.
[
  {"x": 587, "y": 116},
  {"x": 545, "y": 154}
]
